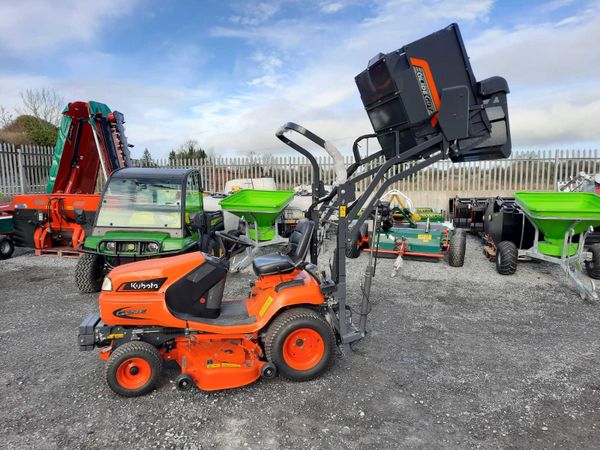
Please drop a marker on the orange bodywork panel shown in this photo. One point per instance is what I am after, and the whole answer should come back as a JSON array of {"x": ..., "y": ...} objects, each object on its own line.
[{"x": 143, "y": 308}]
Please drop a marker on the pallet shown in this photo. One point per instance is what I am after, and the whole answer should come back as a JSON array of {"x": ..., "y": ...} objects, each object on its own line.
[{"x": 61, "y": 252}]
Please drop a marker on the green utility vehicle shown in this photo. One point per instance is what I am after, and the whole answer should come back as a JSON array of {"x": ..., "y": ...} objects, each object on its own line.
[{"x": 146, "y": 213}]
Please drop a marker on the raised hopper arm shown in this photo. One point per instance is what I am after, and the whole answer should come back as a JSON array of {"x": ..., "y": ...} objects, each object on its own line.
[{"x": 425, "y": 105}]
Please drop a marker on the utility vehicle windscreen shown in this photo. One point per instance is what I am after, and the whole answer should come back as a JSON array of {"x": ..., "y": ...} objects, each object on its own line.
[{"x": 141, "y": 203}]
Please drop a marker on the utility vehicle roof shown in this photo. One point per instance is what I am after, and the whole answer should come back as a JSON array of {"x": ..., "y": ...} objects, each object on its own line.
[{"x": 149, "y": 172}]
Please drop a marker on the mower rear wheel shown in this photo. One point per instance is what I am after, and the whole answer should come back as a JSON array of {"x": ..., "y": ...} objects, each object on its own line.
[
  {"x": 593, "y": 267},
  {"x": 507, "y": 256},
  {"x": 7, "y": 247},
  {"x": 458, "y": 247},
  {"x": 301, "y": 344},
  {"x": 134, "y": 369},
  {"x": 89, "y": 273}
]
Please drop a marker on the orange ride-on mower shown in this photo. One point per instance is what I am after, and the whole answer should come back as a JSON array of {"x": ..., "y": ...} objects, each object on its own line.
[
  {"x": 172, "y": 309},
  {"x": 425, "y": 105}
]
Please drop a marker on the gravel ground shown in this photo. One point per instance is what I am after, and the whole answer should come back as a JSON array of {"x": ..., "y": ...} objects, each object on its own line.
[{"x": 455, "y": 358}]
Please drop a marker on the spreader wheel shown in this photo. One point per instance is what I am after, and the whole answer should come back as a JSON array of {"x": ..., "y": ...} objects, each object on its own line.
[
  {"x": 89, "y": 273},
  {"x": 133, "y": 369},
  {"x": 300, "y": 343},
  {"x": 458, "y": 247},
  {"x": 507, "y": 256},
  {"x": 7, "y": 247},
  {"x": 593, "y": 267}
]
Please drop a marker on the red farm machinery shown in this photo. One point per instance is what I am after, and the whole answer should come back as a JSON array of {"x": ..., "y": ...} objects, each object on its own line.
[{"x": 91, "y": 141}]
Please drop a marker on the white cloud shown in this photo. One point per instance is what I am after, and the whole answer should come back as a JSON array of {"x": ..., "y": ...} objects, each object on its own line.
[
  {"x": 251, "y": 13},
  {"x": 332, "y": 8},
  {"x": 535, "y": 54},
  {"x": 34, "y": 25}
]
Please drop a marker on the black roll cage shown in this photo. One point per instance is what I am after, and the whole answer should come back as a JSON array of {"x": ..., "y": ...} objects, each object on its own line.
[{"x": 353, "y": 212}]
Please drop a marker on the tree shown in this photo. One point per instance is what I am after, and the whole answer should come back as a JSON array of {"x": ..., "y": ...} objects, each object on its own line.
[
  {"x": 190, "y": 149},
  {"x": 6, "y": 118},
  {"x": 44, "y": 104},
  {"x": 146, "y": 160}
]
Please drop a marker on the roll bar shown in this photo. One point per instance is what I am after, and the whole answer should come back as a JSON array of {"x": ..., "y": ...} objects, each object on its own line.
[{"x": 338, "y": 160}]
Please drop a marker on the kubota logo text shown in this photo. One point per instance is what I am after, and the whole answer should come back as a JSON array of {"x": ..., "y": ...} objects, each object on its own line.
[{"x": 143, "y": 285}]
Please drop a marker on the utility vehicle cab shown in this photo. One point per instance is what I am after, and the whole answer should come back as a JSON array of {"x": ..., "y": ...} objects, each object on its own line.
[{"x": 145, "y": 213}]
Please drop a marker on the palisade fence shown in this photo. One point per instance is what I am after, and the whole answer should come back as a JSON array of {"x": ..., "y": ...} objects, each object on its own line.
[{"x": 25, "y": 170}]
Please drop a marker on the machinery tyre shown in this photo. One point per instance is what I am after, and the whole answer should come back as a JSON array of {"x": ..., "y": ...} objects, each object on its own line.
[
  {"x": 89, "y": 273},
  {"x": 134, "y": 369},
  {"x": 215, "y": 248},
  {"x": 593, "y": 267},
  {"x": 184, "y": 382},
  {"x": 300, "y": 343},
  {"x": 7, "y": 247},
  {"x": 353, "y": 247},
  {"x": 506, "y": 258},
  {"x": 458, "y": 247}
]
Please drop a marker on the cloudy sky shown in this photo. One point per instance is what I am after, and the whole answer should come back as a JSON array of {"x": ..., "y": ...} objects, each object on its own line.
[{"x": 229, "y": 73}]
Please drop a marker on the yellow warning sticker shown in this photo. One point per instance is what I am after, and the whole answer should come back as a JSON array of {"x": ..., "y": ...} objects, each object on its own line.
[
  {"x": 265, "y": 306},
  {"x": 342, "y": 210},
  {"x": 115, "y": 336},
  {"x": 424, "y": 237},
  {"x": 225, "y": 364},
  {"x": 230, "y": 365}
]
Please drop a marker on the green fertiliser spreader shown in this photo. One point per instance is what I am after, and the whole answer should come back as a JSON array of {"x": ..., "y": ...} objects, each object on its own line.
[
  {"x": 562, "y": 221},
  {"x": 260, "y": 210}
]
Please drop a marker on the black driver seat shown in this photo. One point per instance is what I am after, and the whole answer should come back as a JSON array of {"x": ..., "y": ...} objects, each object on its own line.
[{"x": 299, "y": 243}]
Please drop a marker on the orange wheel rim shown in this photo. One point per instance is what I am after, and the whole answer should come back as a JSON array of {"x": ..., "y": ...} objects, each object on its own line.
[
  {"x": 303, "y": 349},
  {"x": 133, "y": 373}
]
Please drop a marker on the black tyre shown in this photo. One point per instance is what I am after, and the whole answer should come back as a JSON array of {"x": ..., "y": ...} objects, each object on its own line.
[
  {"x": 593, "y": 267},
  {"x": 215, "y": 248},
  {"x": 301, "y": 344},
  {"x": 89, "y": 273},
  {"x": 134, "y": 369},
  {"x": 7, "y": 247},
  {"x": 184, "y": 382},
  {"x": 354, "y": 247},
  {"x": 458, "y": 247},
  {"x": 506, "y": 258}
]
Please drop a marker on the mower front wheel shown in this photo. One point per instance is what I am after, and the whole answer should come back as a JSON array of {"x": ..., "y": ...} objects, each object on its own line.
[
  {"x": 458, "y": 247},
  {"x": 7, "y": 247},
  {"x": 301, "y": 344},
  {"x": 89, "y": 273},
  {"x": 507, "y": 256},
  {"x": 593, "y": 267},
  {"x": 134, "y": 369}
]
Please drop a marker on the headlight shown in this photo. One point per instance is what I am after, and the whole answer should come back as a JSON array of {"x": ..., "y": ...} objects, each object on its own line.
[
  {"x": 107, "y": 283},
  {"x": 111, "y": 246},
  {"x": 152, "y": 247}
]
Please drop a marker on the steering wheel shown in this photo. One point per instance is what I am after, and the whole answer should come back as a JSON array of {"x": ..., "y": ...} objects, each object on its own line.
[{"x": 233, "y": 239}]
